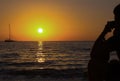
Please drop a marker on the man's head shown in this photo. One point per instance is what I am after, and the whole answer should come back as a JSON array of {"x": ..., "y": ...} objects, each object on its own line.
[{"x": 117, "y": 13}]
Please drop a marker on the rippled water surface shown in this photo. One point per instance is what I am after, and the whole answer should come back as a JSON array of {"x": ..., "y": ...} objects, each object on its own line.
[{"x": 44, "y": 55}]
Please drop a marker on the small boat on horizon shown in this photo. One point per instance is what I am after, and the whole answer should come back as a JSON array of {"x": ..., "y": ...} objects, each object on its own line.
[{"x": 9, "y": 39}]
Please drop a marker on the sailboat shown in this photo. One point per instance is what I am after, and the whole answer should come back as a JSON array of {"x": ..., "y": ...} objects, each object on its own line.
[{"x": 9, "y": 40}]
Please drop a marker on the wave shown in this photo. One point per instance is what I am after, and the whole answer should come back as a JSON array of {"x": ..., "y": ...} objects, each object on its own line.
[
  {"x": 9, "y": 55},
  {"x": 66, "y": 73}
]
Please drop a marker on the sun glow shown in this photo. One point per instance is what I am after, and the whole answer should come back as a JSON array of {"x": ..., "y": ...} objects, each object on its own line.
[{"x": 40, "y": 30}]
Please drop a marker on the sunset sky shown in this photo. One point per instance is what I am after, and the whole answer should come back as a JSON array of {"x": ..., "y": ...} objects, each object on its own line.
[{"x": 61, "y": 20}]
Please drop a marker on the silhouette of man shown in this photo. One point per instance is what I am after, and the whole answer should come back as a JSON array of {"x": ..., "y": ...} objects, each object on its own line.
[
  {"x": 114, "y": 41},
  {"x": 97, "y": 66}
]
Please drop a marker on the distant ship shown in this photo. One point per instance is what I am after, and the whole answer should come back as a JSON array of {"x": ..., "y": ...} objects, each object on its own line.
[{"x": 9, "y": 40}]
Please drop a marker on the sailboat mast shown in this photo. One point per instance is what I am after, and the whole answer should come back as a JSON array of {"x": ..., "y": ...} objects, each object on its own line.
[
  {"x": 9, "y": 40},
  {"x": 9, "y": 32}
]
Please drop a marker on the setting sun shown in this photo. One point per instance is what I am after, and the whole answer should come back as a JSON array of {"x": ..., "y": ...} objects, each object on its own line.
[{"x": 40, "y": 30}]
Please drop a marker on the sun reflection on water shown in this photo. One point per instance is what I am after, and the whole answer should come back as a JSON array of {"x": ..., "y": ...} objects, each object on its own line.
[{"x": 40, "y": 56}]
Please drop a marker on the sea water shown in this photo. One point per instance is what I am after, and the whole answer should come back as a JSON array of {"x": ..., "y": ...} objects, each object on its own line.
[{"x": 55, "y": 55}]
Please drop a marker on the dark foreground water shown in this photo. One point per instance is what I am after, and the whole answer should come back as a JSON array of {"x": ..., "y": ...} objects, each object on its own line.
[{"x": 37, "y": 60}]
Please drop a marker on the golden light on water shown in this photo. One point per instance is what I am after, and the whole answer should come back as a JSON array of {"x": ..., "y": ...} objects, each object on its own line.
[
  {"x": 41, "y": 60},
  {"x": 40, "y": 56}
]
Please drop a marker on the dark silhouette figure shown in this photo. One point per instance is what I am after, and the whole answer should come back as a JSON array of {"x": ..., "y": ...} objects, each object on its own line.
[
  {"x": 100, "y": 54},
  {"x": 114, "y": 41},
  {"x": 113, "y": 71}
]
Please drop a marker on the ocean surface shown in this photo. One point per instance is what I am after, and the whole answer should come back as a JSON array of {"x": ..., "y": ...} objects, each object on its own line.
[{"x": 40, "y": 58}]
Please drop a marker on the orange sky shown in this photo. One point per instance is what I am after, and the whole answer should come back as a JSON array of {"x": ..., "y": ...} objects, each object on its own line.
[{"x": 61, "y": 20}]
